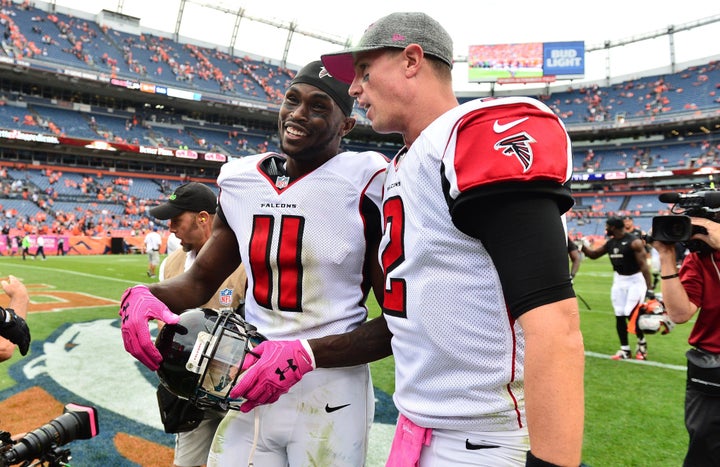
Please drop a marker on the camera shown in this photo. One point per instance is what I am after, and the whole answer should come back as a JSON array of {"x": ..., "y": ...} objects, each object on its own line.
[
  {"x": 673, "y": 229},
  {"x": 678, "y": 228},
  {"x": 44, "y": 443}
]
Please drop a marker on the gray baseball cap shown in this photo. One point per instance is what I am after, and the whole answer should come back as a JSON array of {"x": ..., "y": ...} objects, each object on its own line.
[{"x": 396, "y": 30}]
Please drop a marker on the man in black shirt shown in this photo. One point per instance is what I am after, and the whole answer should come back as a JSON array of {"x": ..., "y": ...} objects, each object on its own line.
[
  {"x": 631, "y": 281},
  {"x": 632, "y": 228}
]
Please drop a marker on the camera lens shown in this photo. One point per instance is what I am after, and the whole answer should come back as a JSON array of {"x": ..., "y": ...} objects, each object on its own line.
[{"x": 671, "y": 229}]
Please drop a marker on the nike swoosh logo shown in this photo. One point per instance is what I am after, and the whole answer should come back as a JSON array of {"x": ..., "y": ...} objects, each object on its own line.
[
  {"x": 474, "y": 447},
  {"x": 329, "y": 409},
  {"x": 501, "y": 128}
]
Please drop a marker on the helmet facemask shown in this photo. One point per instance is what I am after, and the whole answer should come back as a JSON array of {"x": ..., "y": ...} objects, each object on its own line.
[{"x": 203, "y": 356}]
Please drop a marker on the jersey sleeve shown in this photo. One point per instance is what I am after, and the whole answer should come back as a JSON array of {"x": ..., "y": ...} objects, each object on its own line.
[
  {"x": 504, "y": 147},
  {"x": 371, "y": 181},
  {"x": 372, "y": 175}
]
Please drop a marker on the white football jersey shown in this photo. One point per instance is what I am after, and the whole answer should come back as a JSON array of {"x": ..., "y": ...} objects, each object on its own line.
[
  {"x": 458, "y": 352},
  {"x": 303, "y": 241}
]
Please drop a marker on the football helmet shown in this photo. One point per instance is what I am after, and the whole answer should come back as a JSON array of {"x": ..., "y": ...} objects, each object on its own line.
[
  {"x": 652, "y": 317},
  {"x": 203, "y": 354}
]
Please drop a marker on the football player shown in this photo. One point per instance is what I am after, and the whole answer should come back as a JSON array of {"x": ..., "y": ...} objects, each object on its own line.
[
  {"x": 631, "y": 281},
  {"x": 306, "y": 224},
  {"x": 484, "y": 321}
]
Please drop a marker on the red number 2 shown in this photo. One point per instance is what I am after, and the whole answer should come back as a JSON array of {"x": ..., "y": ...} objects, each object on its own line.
[{"x": 393, "y": 255}]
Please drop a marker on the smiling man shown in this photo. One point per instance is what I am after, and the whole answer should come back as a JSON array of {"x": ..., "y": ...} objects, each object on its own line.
[{"x": 306, "y": 224}]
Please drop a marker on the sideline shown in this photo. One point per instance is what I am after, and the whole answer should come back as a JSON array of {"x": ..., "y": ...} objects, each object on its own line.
[
  {"x": 68, "y": 271},
  {"x": 639, "y": 362}
]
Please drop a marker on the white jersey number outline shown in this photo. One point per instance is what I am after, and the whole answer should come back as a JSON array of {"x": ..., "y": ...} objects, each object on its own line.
[
  {"x": 289, "y": 265},
  {"x": 394, "y": 300}
]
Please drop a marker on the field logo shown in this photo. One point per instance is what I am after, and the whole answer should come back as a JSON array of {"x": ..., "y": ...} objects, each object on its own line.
[
  {"x": 86, "y": 363},
  {"x": 44, "y": 297}
]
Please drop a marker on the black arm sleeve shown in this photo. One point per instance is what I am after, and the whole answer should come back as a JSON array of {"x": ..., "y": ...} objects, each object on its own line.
[
  {"x": 219, "y": 212},
  {"x": 373, "y": 223},
  {"x": 525, "y": 237}
]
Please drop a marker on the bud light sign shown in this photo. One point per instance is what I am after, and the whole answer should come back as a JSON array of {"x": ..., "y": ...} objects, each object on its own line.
[{"x": 564, "y": 59}]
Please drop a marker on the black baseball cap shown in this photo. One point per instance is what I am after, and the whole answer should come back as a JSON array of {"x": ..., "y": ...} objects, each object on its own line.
[
  {"x": 314, "y": 74},
  {"x": 192, "y": 196},
  {"x": 396, "y": 30}
]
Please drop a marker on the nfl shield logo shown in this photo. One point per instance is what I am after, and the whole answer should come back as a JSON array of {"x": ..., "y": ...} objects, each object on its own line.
[
  {"x": 226, "y": 297},
  {"x": 282, "y": 181}
]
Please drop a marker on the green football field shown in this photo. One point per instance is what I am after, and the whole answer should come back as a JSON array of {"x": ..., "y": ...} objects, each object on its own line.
[{"x": 634, "y": 410}]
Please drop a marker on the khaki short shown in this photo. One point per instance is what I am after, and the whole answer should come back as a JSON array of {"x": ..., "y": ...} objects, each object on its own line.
[
  {"x": 192, "y": 447},
  {"x": 153, "y": 257}
]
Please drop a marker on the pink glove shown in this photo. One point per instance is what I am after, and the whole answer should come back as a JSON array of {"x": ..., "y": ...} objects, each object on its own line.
[
  {"x": 277, "y": 367},
  {"x": 137, "y": 307}
]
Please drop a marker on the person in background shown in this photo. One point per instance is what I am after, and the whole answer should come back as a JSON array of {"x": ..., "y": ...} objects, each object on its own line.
[
  {"x": 6, "y": 234},
  {"x": 654, "y": 267},
  {"x": 13, "y": 328},
  {"x": 173, "y": 243},
  {"x": 631, "y": 228},
  {"x": 15, "y": 242},
  {"x": 483, "y": 327},
  {"x": 692, "y": 293},
  {"x": 191, "y": 211},
  {"x": 652, "y": 259},
  {"x": 575, "y": 258},
  {"x": 306, "y": 223},
  {"x": 631, "y": 281},
  {"x": 153, "y": 241},
  {"x": 40, "y": 250},
  {"x": 25, "y": 245}
]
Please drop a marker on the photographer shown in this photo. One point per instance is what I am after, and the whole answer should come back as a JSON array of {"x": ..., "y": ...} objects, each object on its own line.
[
  {"x": 691, "y": 291},
  {"x": 13, "y": 329}
]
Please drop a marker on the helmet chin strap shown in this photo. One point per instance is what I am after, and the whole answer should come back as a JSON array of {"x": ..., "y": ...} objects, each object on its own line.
[{"x": 255, "y": 437}]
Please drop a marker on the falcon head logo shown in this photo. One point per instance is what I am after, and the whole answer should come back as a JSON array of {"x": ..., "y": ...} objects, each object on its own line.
[{"x": 519, "y": 146}]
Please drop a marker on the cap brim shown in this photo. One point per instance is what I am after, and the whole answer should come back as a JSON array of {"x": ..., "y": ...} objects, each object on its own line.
[
  {"x": 165, "y": 211},
  {"x": 341, "y": 66}
]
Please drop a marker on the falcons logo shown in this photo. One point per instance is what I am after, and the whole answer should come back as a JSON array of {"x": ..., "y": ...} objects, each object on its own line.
[{"x": 519, "y": 146}]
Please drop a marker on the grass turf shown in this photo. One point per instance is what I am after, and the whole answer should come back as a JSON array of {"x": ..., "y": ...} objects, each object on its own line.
[{"x": 634, "y": 410}]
